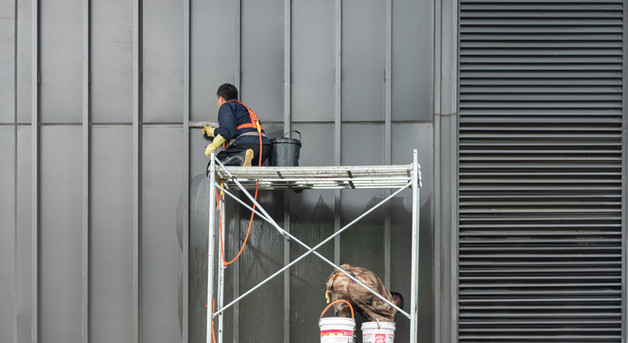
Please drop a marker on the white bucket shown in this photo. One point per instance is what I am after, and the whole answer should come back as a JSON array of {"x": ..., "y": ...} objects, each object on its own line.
[
  {"x": 378, "y": 332},
  {"x": 336, "y": 329}
]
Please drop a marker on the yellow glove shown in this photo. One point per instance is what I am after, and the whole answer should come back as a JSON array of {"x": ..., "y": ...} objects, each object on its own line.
[
  {"x": 214, "y": 145},
  {"x": 208, "y": 131}
]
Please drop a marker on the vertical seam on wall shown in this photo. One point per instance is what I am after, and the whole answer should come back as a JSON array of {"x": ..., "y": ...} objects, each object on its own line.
[
  {"x": 34, "y": 169},
  {"x": 186, "y": 176},
  {"x": 287, "y": 128},
  {"x": 388, "y": 83},
  {"x": 387, "y": 134},
  {"x": 287, "y": 65},
  {"x": 136, "y": 169},
  {"x": 337, "y": 122},
  {"x": 438, "y": 179},
  {"x": 86, "y": 203},
  {"x": 238, "y": 47},
  {"x": 338, "y": 83},
  {"x": 15, "y": 141}
]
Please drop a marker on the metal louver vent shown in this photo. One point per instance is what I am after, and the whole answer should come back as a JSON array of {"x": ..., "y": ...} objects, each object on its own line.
[{"x": 540, "y": 171}]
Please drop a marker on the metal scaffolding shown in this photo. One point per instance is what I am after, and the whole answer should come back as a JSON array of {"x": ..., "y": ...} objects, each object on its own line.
[{"x": 299, "y": 178}]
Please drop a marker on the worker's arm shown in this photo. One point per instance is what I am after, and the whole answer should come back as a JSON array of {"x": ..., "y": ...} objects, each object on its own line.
[{"x": 227, "y": 121}]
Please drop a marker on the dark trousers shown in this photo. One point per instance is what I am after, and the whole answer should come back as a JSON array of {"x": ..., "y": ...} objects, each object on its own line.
[
  {"x": 234, "y": 154},
  {"x": 240, "y": 149}
]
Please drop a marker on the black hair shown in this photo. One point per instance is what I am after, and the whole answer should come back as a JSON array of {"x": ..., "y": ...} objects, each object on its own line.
[
  {"x": 227, "y": 91},
  {"x": 398, "y": 295}
]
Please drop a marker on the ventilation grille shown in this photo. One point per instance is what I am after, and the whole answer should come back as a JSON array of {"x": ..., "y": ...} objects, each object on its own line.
[{"x": 540, "y": 171}]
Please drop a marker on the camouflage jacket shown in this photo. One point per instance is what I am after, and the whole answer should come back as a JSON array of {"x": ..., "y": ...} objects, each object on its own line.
[{"x": 364, "y": 302}]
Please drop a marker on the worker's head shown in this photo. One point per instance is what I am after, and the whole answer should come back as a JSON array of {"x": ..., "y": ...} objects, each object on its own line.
[
  {"x": 226, "y": 92},
  {"x": 397, "y": 299}
]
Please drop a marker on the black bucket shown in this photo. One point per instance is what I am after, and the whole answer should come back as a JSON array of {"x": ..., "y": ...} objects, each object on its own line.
[{"x": 285, "y": 151}]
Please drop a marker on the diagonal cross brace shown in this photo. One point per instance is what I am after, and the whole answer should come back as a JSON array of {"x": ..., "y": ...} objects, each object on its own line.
[{"x": 264, "y": 215}]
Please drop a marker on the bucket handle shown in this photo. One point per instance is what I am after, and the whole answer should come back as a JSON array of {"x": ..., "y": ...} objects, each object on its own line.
[
  {"x": 337, "y": 301},
  {"x": 297, "y": 131}
]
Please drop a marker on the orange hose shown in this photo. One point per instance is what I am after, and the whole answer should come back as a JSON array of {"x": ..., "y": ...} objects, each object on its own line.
[
  {"x": 246, "y": 238},
  {"x": 213, "y": 309},
  {"x": 248, "y": 231},
  {"x": 337, "y": 301}
]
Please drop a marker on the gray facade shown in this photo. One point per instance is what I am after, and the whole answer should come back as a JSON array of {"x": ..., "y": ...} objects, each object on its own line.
[{"x": 103, "y": 197}]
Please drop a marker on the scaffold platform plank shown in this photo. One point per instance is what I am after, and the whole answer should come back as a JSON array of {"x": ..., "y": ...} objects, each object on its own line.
[{"x": 328, "y": 177}]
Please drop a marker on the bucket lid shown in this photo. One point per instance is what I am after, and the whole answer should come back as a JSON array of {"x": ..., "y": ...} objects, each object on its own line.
[
  {"x": 285, "y": 140},
  {"x": 337, "y": 321},
  {"x": 378, "y": 325}
]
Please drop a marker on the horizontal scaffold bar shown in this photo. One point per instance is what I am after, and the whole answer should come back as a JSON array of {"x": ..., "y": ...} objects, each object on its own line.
[{"x": 338, "y": 177}]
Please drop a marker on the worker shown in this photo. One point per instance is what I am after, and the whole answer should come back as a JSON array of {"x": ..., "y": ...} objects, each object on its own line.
[
  {"x": 340, "y": 286},
  {"x": 240, "y": 128}
]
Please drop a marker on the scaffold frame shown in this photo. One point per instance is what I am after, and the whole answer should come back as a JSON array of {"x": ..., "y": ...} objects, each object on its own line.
[{"x": 400, "y": 177}]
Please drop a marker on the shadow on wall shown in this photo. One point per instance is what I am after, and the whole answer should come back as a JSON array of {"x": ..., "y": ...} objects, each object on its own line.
[
  {"x": 199, "y": 204},
  {"x": 179, "y": 225}
]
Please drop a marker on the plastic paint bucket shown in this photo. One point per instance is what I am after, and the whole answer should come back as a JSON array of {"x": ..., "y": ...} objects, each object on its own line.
[
  {"x": 337, "y": 329},
  {"x": 286, "y": 151},
  {"x": 378, "y": 332}
]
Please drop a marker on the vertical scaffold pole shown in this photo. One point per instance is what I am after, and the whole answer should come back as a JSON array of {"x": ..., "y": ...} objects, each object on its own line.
[
  {"x": 221, "y": 272},
  {"x": 210, "y": 245},
  {"x": 414, "y": 287}
]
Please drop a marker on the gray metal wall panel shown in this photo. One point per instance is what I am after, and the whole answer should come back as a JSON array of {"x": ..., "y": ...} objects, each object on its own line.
[
  {"x": 445, "y": 91},
  {"x": 7, "y": 233},
  {"x": 262, "y": 57},
  {"x": 313, "y": 60},
  {"x": 162, "y": 61},
  {"x": 413, "y": 32},
  {"x": 407, "y": 137},
  {"x": 111, "y": 222},
  {"x": 23, "y": 245},
  {"x": 7, "y": 59},
  {"x": 317, "y": 142},
  {"x": 161, "y": 267},
  {"x": 214, "y": 24},
  {"x": 111, "y": 61},
  {"x": 61, "y": 60},
  {"x": 214, "y": 61},
  {"x": 445, "y": 256},
  {"x": 363, "y": 244},
  {"x": 317, "y": 150},
  {"x": 400, "y": 243},
  {"x": 198, "y": 160},
  {"x": 362, "y": 144},
  {"x": 311, "y": 224},
  {"x": 60, "y": 234},
  {"x": 199, "y": 202},
  {"x": 263, "y": 257},
  {"x": 363, "y": 48},
  {"x": 23, "y": 68}
]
